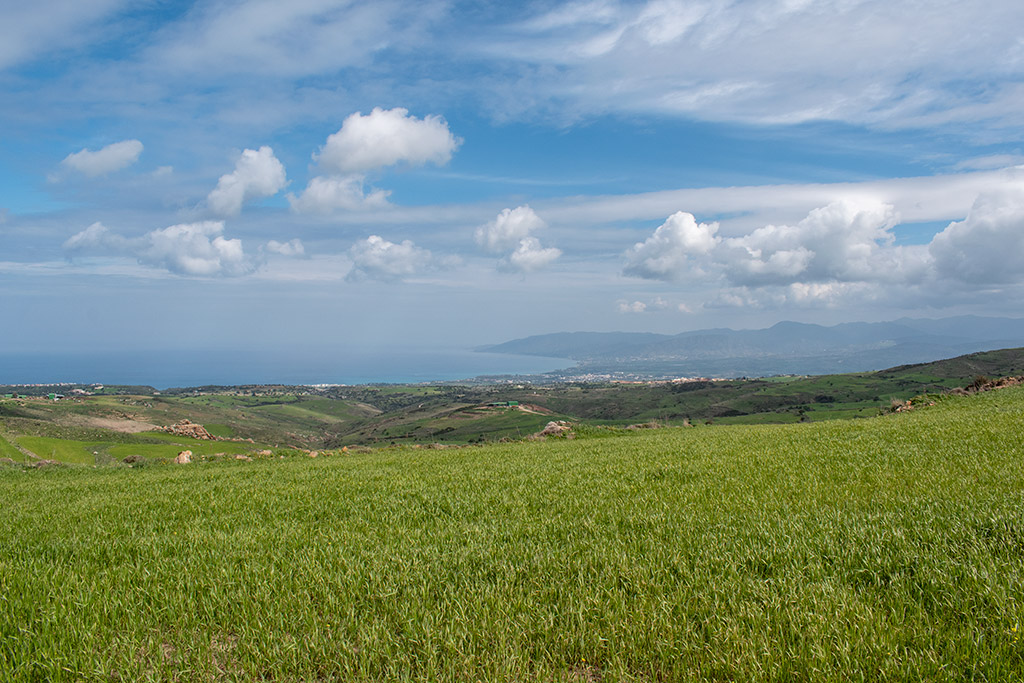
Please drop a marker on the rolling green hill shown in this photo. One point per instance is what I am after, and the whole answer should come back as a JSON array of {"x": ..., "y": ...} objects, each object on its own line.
[
  {"x": 335, "y": 417},
  {"x": 879, "y": 549}
]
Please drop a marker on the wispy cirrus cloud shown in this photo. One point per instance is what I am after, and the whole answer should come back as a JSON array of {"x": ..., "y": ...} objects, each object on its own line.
[
  {"x": 30, "y": 30},
  {"x": 277, "y": 40},
  {"x": 774, "y": 63}
]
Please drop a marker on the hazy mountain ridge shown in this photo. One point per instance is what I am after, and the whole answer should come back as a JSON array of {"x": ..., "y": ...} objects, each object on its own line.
[{"x": 784, "y": 348}]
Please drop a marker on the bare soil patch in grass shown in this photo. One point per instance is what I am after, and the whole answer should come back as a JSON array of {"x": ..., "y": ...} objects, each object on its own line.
[{"x": 123, "y": 425}]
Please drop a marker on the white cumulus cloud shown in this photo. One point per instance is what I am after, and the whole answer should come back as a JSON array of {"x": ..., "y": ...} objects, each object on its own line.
[
  {"x": 194, "y": 249},
  {"x": 106, "y": 160},
  {"x": 508, "y": 228},
  {"x": 197, "y": 249},
  {"x": 385, "y": 137},
  {"x": 846, "y": 241},
  {"x": 377, "y": 258},
  {"x": 529, "y": 256},
  {"x": 257, "y": 174},
  {"x": 510, "y": 233},
  {"x": 327, "y": 194},
  {"x": 985, "y": 247},
  {"x": 673, "y": 250},
  {"x": 839, "y": 253},
  {"x": 290, "y": 248},
  {"x": 843, "y": 241}
]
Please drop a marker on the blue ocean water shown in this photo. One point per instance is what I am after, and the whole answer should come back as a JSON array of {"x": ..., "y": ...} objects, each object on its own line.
[{"x": 188, "y": 368}]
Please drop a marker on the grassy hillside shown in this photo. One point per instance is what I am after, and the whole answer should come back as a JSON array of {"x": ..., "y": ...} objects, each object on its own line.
[
  {"x": 1001, "y": 362},
  {"x": 750, "y": 401},
  {"x": 334, "y": 417},
  {"x": 881, "y": 549}
]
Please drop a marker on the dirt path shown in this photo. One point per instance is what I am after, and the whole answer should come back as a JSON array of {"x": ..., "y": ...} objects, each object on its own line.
[{"x": 534, "y": 410}]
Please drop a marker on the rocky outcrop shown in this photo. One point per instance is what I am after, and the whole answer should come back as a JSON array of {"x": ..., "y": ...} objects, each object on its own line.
[
  {"x": 190, "y": 429},
  {"x": 554, "y": 428},
  {"x": 904, "y": 406},
  {"x": 184, "y": 458},
  {"x": 985, "y": 384}
]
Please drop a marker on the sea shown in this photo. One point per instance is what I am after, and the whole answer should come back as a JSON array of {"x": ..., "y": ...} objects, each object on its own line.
[{"x": 163, "y": 369}]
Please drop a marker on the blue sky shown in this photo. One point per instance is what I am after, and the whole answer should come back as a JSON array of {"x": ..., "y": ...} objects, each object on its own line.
[{"x": 285, "y": 175}]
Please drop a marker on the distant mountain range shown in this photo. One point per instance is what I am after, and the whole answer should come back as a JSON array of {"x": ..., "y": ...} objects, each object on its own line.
[{"x": 784, "y": 348}]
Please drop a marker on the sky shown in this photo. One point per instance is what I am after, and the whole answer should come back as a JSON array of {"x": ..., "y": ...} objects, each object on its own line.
[{"x": 321, "y": 173}]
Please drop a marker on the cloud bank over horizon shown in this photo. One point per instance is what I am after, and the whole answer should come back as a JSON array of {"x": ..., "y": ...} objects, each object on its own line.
[{"x": 844, "y": 248}]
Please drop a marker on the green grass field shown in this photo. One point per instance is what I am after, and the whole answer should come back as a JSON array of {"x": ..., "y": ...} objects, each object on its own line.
[
  {"x": 64, "y": 450},
  {"x": 100, "y": 451},
  {"x": 887, "y": 549},
  {"x": 7, "y": 450},
  {"x": 169, "y": 450}
]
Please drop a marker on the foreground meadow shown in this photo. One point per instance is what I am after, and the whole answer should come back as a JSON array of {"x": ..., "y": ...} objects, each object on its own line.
[{"x": 881, "y": 549}]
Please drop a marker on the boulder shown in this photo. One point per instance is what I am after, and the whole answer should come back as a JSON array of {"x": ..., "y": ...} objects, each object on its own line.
[
  {"x": 184, "y": 458},
  {"x": 555, "y": 428},
  {"x": 190, "y": 429}
]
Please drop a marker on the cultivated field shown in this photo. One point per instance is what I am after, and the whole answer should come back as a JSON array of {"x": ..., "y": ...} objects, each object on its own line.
[{"x": 883, "y": 549}]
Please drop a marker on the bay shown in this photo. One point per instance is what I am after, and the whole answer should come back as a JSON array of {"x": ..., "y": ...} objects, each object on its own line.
[{"x": 167, "y": 368}]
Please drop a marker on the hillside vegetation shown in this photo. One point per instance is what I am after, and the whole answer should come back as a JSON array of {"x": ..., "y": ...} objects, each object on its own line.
[
  {"x": 105, "y": 428},
  {"x": 882, "y": 549}
]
